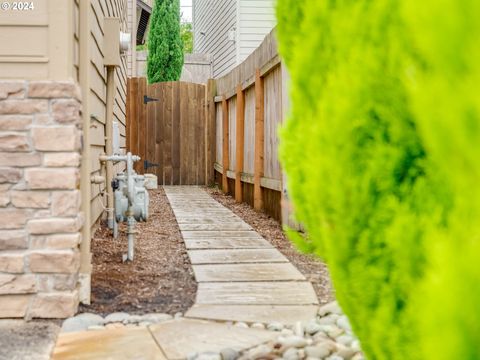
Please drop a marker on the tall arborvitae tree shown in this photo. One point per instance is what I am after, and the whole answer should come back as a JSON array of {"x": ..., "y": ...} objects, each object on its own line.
[{"x": 165, "y": 47}]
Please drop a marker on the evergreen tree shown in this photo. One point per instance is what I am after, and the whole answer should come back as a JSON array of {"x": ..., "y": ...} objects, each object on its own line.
[{"x": 165, "y": 47}]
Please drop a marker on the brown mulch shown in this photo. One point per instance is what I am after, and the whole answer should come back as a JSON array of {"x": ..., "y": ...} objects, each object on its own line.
[
  {"x": 312, "y": 268},
  {"x": 160, "y": 279}
]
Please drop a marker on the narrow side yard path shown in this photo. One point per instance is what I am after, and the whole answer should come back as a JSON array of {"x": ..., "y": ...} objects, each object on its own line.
[
  {"x": 251, "y": 301},
  {"x": 240, "y": 275}
]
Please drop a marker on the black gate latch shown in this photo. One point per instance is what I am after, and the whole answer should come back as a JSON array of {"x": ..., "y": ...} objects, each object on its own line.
[
  {"x": 147, "y": 99},
  {"x": 147, "y": 165}
]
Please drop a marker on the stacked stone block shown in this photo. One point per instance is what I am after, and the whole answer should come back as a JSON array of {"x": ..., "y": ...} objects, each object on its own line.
[{"x": 40, "y": 218}]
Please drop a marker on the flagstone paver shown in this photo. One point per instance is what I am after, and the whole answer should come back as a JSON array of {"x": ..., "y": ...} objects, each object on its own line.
[
  {"x": 246, "y": 272},
  {"x": 227, "y": 243},
  {"x": 236, "y": 256},
  {"x": 236, "y": 268},
  {"x": 182, "y": 337},
  {"x": 117, "y": 344},
  {"x": 285, "y": 314},
  {"x": 257, "y": 293}
]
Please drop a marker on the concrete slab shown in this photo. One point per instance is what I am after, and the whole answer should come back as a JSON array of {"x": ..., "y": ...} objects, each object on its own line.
[
  {"x": 287, "y": 315},
  {"x": 20, "y": 340},
  {"x": 246, "y": 272},
  {"x": 182, "y": 337},
  {"x": 117, "y": 344},
  {"x": 257, "y": 293},
  {"x": 236, "y": 256},
  {"x": 227, "y": 244}
]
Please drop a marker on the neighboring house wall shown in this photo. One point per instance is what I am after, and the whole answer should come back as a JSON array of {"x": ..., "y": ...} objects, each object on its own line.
[
  {"x": 230, "y": 30},
  {"x": 256, "y": 20},
  {"x": 197, "y": 68},
  {"x": 132, "y": 29},
  {"x": 40, "y": 144},
  {"x": 99, "y": 10},
  {"x": 212, "y": 22}
]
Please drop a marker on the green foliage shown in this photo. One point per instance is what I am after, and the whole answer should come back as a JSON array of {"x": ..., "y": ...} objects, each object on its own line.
[
  {"x": 381, "y": 150},
  {"x": 446, "y": 102},
  {"x": 186, "y": 32},
  {"x": 165, "y": 48}
]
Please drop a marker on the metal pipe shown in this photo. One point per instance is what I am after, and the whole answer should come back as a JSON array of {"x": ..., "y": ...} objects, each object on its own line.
[
  {"x": 109, "y": 139},
  {"x": 129, "y": 159},
  {"x": 85, "y": 170},
  {"x": 130, "y": 234}
]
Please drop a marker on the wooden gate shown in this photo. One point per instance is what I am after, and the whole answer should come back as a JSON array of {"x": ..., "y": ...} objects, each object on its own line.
[{"x": 166, "y": 127}]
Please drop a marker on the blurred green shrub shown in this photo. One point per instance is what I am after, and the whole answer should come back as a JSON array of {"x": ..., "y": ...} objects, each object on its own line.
[
  {"x": 444, "y": 91},
  {"x": 382, "y": 152}
]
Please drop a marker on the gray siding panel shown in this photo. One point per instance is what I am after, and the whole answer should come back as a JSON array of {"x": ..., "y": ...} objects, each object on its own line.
[
  {"x": 215, "y": 18},
  {"x": 257, "y": 19}
]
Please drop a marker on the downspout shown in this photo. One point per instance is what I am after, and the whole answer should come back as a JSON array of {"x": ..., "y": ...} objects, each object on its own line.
[
  {"x": 109, "y": 141},
  {"x": 85, "y": 170}
]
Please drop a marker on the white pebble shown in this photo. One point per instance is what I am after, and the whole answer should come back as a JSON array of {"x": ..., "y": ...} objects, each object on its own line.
[
  {"x": 312, "y": 327},
  {"x": 275, "y": 326},
  {"x": 241, "y": 325},
  {"x": 345, "y": 352},
  {"x": 209, "y": 356},
  {"x": 334, "y": 357},
  {"x": 96, "y": 327},
  {"x": 343, "y": 323},
  {"x": 355, "y": 345},
  {"x": 258, "y": 326},
  {"x": 329, "y": 319},
  {"x": 259, "y": 352},
  {"x": 117, "y": 317},
  {"x": 178, "y": 315},
  {"x": 293, "y": 341},
  {"x": 318, "y": 351},
  {"x": 330, "y": 308},
  {"x": 286, "y": 332},
  {"x": 298, "y": 329},
  {"x": 346, "y": 340},
  {"x": 291, "y": 354},
  {"x": 229, "y": 354}
]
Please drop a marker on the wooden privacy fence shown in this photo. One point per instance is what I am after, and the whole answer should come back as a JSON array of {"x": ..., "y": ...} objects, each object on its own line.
[
  {"x": 250, "y": 104},
  {"x": 226, "y": 131},
  {"x": 166, "y": 127}
]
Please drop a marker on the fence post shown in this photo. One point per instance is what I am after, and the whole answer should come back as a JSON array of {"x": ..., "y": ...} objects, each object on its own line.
[
  {"x": 259, "y": 141},
  {"x": 239, "y": 143},
  {"x": 210, "y": 132},
  {"x": 225, "y": 152}
]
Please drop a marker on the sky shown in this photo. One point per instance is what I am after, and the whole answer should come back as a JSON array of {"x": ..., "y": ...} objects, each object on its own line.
[{"x": 186, "y": 10}]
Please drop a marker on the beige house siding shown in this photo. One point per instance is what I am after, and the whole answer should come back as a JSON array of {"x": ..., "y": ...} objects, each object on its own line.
[
  {"x": 44, "y": 54},
  {"x": 33, "y": 42},
  {"x": 99, "y": 10}
]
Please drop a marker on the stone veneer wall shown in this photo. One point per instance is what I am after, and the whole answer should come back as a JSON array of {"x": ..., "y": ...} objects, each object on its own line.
[{"x": 40, "y": 219}]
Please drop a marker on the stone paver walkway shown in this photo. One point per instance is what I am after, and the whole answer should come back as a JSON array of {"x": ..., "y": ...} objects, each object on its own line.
[{"x": 241, "y": 277}]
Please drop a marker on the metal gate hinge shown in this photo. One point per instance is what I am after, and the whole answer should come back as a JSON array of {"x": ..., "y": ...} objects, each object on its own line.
[
  {"x": 147, "y": 99},
  {"x": 147, "y": 164}
]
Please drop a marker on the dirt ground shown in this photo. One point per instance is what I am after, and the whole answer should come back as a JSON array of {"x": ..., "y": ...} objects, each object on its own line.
[
  {"x": 312, "y": 268},
  {"x": 160, "y": 279}
]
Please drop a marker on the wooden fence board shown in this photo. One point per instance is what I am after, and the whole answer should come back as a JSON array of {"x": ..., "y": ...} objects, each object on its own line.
[
  {"x": 240, "y": 122},
  {"x": 169, "y": 130},
  {"x": 176, "y": 134}
]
